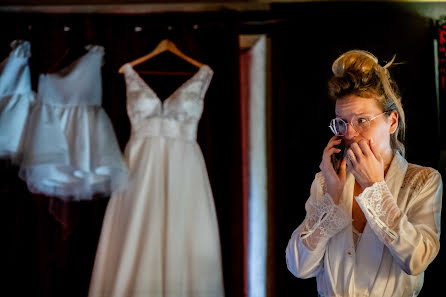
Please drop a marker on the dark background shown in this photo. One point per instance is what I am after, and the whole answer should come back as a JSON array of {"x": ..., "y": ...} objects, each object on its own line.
[{"x": 42, "y": 257}]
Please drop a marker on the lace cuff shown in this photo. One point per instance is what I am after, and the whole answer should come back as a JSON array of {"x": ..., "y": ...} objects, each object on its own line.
[
  {"x": 323, "y": 220},
  {"x": 381, "y": 211}
]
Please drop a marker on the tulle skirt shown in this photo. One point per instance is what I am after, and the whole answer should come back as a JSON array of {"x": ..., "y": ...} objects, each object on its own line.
[{"x": 71, "y": 152}]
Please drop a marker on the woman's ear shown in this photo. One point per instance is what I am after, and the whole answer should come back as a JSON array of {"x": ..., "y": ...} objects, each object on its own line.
[{"x": 393, "y": 118}]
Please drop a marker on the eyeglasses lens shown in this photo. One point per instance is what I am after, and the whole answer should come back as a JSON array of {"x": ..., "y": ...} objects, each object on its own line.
[{"x": 340, "y": 126}]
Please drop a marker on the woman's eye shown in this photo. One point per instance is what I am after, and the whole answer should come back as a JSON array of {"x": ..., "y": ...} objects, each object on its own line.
[
  {"x": 339, "y": 122},
  {"x": 362, "y": 121}
]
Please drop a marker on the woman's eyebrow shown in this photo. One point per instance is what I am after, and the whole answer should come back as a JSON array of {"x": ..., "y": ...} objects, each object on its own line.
[{"x": 355, "y": 114}]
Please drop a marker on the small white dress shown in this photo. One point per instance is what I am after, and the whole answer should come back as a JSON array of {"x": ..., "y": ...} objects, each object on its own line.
[
  {"x": 71, "y": 150},
  {"x": 160, "y": 236},
  {"x": 16, "y": 98}
]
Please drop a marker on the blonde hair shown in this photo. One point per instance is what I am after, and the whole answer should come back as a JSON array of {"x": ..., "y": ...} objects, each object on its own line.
[{"x": 358, "y": 72}]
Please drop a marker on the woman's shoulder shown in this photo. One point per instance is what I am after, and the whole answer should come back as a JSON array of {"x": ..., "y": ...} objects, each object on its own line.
[
  {"x": 418, "y": 176},
  {"x": 420, "y": 172}
]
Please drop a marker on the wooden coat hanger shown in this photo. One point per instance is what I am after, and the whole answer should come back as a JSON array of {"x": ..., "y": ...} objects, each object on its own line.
[{"x": 164, "y": 45}]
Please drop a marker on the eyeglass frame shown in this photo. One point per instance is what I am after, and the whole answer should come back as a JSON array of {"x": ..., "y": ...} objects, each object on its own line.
[{"x": 347, "y": 123}]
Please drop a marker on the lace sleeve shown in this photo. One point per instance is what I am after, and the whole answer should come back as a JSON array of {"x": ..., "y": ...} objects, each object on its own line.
[
  {"x": 323, "y": 219},
  {"x": 381, "y": 210}
]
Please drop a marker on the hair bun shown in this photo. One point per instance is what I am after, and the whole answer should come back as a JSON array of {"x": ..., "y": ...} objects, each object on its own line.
[{"x": 355, "y": 61}]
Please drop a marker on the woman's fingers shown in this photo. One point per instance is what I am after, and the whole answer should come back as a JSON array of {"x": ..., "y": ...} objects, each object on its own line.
[
  {"x": 333, "y": 141},
  {"x": 374, "y": 150},
  {"x": 360, "y": 150},
  {"x": 365, "y": 148},
  {"x": 351, "y": 155},
  {"x": 365, "y": 162},
  {"x": 326, "y": 164},
  {"x": 326, "y": 159},
  {"x": 330, "y": 148},
  {"x": 356, "y": 150}
]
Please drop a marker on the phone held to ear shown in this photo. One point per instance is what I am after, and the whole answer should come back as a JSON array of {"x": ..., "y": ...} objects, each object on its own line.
[{"x": 336, "y": 158}]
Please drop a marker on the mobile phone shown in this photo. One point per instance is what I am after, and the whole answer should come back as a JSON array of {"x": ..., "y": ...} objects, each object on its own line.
[{"x": 336, "y": 158}]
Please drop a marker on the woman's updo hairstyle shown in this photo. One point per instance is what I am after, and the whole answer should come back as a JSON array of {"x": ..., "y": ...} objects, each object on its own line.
[{"x": 358, "y": 73}]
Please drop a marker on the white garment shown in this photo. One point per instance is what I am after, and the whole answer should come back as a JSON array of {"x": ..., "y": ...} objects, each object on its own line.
[
  {"x": 399, "y": 241},
  {"x": 71, "y": 148},
  {"x": 160, "y": 236},
  {"x": 16, "y": 97}
]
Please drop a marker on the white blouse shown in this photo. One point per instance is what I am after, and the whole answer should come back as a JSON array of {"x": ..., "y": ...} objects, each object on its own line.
[{"x": 401, "y": 237}]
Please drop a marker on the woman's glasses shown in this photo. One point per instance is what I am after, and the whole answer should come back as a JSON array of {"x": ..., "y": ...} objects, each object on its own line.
[{"x": 360, "y": 123}]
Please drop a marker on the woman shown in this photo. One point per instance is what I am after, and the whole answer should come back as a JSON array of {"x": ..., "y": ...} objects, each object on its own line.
[{"x": 372, "y": 228}]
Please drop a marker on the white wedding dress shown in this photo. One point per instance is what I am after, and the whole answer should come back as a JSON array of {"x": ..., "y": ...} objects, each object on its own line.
[
  {"x": 160, "y": 236},
  {"x": 70, "y": 148},
  {"x": 16, "y": 98}
]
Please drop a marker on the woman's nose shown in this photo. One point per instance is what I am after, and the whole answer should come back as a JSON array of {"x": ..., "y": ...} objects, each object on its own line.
[{"x": 351, "y": 132}]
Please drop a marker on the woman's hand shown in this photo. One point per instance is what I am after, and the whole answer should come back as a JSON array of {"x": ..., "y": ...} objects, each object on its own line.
[
  {"x": 333, "y": 181},
  {"x": 365, "y": 163}
]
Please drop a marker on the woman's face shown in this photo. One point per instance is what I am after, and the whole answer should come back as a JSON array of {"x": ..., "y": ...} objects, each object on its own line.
[{"x": 380, "y": 128}]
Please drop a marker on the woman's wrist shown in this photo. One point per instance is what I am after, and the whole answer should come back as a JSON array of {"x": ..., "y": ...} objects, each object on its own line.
[
  {"x": 335, "y": 195},
  {"x": 370, "y": 183}
]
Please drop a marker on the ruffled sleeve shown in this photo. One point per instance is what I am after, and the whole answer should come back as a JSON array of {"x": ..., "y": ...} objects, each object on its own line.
[{"x": 323, "y": 220}]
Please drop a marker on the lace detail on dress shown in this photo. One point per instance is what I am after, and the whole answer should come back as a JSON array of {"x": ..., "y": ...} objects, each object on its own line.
[
  {"x": 381, "y": 210},
  {"x": 416, "y": 178},
  {"x": 176, "y": 116},
  {"x": 323, "y": 220}
]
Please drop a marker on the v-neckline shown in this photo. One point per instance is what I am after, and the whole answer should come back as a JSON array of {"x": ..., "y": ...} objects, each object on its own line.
[{"x": 165, "y": 100}]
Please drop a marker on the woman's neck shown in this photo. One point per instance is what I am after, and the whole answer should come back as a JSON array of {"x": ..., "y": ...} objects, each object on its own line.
[{"x": 388, "y": 157}]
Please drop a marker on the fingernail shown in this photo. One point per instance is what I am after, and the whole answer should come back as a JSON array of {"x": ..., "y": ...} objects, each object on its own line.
[{"x": 371, "y": 139}]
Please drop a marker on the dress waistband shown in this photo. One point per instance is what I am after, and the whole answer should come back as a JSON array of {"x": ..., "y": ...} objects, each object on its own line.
[{"x": 166, "y": 127}]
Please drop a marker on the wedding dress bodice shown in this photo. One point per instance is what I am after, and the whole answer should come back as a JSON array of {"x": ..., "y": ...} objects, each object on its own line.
[{"x": 177, "y": 116}]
